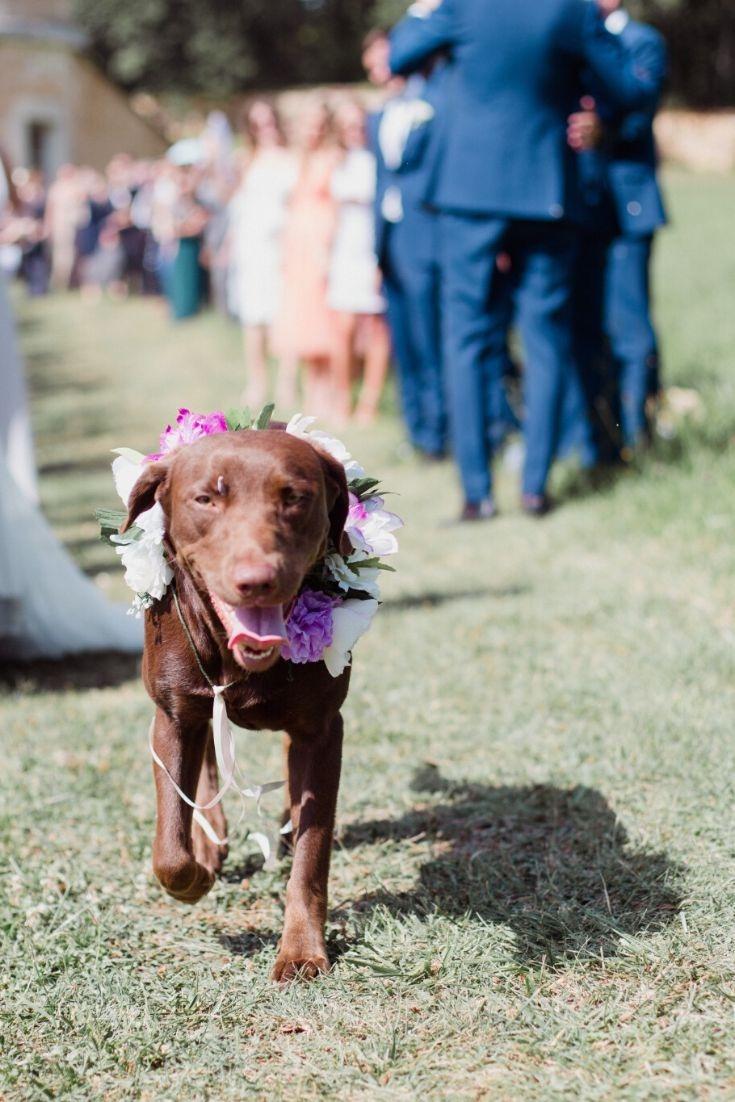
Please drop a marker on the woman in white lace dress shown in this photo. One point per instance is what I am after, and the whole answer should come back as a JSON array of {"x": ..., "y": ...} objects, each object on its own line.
[
  {"x": 354, "y": 292},
  {"x": 48, "y": 608},
  {"x": 258, "y": 213}
]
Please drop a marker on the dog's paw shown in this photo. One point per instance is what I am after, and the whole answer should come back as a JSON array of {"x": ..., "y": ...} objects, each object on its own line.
[
  {"x": 186, "y": 882},
  {"x": 290, "y": 967}
]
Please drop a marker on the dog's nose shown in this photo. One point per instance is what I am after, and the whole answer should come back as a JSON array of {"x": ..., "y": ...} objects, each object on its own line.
[{"x": 255, "y": 581}]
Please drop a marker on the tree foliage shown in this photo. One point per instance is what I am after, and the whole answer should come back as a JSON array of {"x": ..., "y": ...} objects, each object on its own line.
[
  {"x": 701, "y": 39},
  {"x": 219, "y": 47}
]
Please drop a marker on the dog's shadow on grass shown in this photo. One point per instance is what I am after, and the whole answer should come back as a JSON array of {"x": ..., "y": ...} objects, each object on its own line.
[{"x": 554, "y": 865}]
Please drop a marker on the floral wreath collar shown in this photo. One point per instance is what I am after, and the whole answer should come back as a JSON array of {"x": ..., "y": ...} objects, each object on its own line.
[{"x": 338, "y": 601}]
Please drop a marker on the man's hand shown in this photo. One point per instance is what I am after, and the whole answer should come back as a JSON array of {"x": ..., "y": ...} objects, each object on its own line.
[{"x": 584, "y": 127}]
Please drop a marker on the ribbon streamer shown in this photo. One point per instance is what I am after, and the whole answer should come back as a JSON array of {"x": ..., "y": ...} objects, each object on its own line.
[{"x": 224, "y": 752}]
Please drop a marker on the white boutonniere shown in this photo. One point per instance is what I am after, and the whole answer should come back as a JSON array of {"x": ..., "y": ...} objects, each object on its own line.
[{"x": 421, "y": 113}]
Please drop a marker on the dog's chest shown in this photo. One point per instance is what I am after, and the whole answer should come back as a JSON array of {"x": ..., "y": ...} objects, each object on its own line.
[{"x": 262, "y": 707}]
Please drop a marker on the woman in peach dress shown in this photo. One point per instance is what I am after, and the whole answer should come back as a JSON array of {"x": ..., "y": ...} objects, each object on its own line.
[{"x": 306, "y": 324}]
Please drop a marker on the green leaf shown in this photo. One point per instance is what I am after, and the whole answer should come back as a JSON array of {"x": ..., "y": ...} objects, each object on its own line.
[
  {"x": 370, "y": 564},
  {"x": 264, "y": 417},
  {"x": 132, "y": 534},
  {"x": 238, "y": 419},
  {"x": 109, "y": 521},
  {"x": 362, "y": 486}
]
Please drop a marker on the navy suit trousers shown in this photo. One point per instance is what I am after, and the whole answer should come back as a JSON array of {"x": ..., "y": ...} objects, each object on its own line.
[
  {"x": 411, "y": 281},
  {"x": 630, "y": 330},
  {"x": 475, "y": 319}
]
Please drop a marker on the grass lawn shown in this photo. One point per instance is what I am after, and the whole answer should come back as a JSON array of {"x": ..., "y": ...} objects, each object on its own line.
[{"x": 534, "y": 884}]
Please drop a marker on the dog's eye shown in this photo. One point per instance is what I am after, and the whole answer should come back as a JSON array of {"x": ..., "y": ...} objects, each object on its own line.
[
  {"x": 292, "y": 498},
  {"x": 203, "y": 499}
]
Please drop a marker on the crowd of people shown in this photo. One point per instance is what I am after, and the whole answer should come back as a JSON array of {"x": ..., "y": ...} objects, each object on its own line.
[
  {"x": 507, "y": 182},
  {"x": 277, "y": 233}
]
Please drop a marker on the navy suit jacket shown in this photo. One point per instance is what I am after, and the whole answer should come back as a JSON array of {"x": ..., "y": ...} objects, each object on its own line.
[
  {"x": 412, "y": 177},
  {"x": 631, "y": 150},
  {"x": 515, "y": 78}
]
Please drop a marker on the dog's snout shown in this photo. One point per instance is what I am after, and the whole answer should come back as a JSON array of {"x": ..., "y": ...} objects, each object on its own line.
[{"x": 255, "y": 580}]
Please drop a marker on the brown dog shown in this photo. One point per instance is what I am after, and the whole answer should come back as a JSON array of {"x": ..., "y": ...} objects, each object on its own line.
[{"x": 249, "y": 514}]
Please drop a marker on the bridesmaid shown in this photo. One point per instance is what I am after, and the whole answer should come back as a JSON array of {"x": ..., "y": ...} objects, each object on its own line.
[
  {"x": 354, "y": 278},
  {"x": 258, "y": 216},
  {"x": 186, "y": 286},
  {"x": 306, "y": 325}
]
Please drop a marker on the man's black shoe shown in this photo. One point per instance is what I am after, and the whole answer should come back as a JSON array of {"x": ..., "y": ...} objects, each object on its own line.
[
  {"x": 536, "y": 505},
  {"x": 478, "y": 510}
]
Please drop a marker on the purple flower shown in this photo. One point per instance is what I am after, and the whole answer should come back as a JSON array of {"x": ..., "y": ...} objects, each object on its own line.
[
  {"x": 188, "y": 428},
  {"x": 310, "y": 626}
]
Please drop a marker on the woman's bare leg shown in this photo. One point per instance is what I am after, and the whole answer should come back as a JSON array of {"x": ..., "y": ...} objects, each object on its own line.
[
  {"x": 342, "y": 365},
  {"x": 317, "y": 387},
  {"x": 256, "y": 366},
  {"x": 377, "y": 362},
  {"x": 287, "y": 383}
]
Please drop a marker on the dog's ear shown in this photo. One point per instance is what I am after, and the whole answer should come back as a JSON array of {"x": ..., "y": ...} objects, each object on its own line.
[
  {"x": 338, "y": 501},
  {"x": 146, "y": 490}
]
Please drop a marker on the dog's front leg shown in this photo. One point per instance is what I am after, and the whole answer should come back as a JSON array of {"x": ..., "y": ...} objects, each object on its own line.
[
  {"x": 181, "y": 749},
  {"x": 313, "y": 767}
]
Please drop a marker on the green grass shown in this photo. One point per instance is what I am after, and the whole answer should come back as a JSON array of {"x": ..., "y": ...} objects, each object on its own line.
[{"x": 533, "y": 889}]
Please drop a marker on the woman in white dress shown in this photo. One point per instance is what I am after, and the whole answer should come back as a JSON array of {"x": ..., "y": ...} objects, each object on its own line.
[
  {"x": 48, "y": 608},
  {"x": 258, "y": 213},
  {"x": 354, "y": 277}
]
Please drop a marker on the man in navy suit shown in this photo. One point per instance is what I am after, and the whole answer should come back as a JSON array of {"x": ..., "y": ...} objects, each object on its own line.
[
  {"x": 626, "y": 209},
  {"x": 506, "y": 183},
  {"x": 403, "y": 136}
]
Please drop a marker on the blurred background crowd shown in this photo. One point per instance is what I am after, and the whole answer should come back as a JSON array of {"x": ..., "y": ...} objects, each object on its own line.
[
  {"x": 327, "y": 238},
  {"x": 272, "y": 228}
]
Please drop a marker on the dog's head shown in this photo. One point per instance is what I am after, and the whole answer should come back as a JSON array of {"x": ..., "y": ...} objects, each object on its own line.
[{"x": 248, "y": 515}]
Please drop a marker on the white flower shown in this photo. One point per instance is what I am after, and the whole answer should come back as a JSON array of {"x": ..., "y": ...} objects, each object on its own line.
[
  {"x": 153, "y": 522},
  {"x": 139, "y": 605},
  {"x": 350, "y": 621},
  {"x": 300, "y": 426},
  {"x": 347, "y": 577},
  {"x": 126, "y": 470},
  {"x": 146, "y": 569},
  {"x": 370, "y": 527},
  {"x": 422, "y": 112},
  {"x": 144, "y": 559}
]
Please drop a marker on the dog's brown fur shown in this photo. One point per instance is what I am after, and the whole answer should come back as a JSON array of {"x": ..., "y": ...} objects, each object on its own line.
[{"x": 274, "y": 506}]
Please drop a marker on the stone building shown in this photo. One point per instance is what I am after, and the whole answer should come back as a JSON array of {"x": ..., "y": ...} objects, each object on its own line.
[{"x": 55, "y": 104}]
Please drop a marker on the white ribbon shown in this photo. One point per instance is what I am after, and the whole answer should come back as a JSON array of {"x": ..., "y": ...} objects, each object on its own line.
[{"x": 224, "y": 751}]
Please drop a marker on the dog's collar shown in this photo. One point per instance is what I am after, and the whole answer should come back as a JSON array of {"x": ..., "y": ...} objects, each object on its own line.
[{"x": 193, "y": 648}]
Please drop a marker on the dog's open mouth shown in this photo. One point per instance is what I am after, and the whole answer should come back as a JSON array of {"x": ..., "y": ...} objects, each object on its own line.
[{"x": 254, "y": 635}]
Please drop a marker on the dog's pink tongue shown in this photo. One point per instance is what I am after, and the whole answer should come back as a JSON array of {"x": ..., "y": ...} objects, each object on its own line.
[{"x": 263, "y": 627}]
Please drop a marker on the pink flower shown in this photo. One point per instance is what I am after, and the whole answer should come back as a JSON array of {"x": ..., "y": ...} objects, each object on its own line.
[
  {"x": 357, "y": 512},
  {"x": 188, "y": 428},
  {"x": 310, "y": 626}
]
